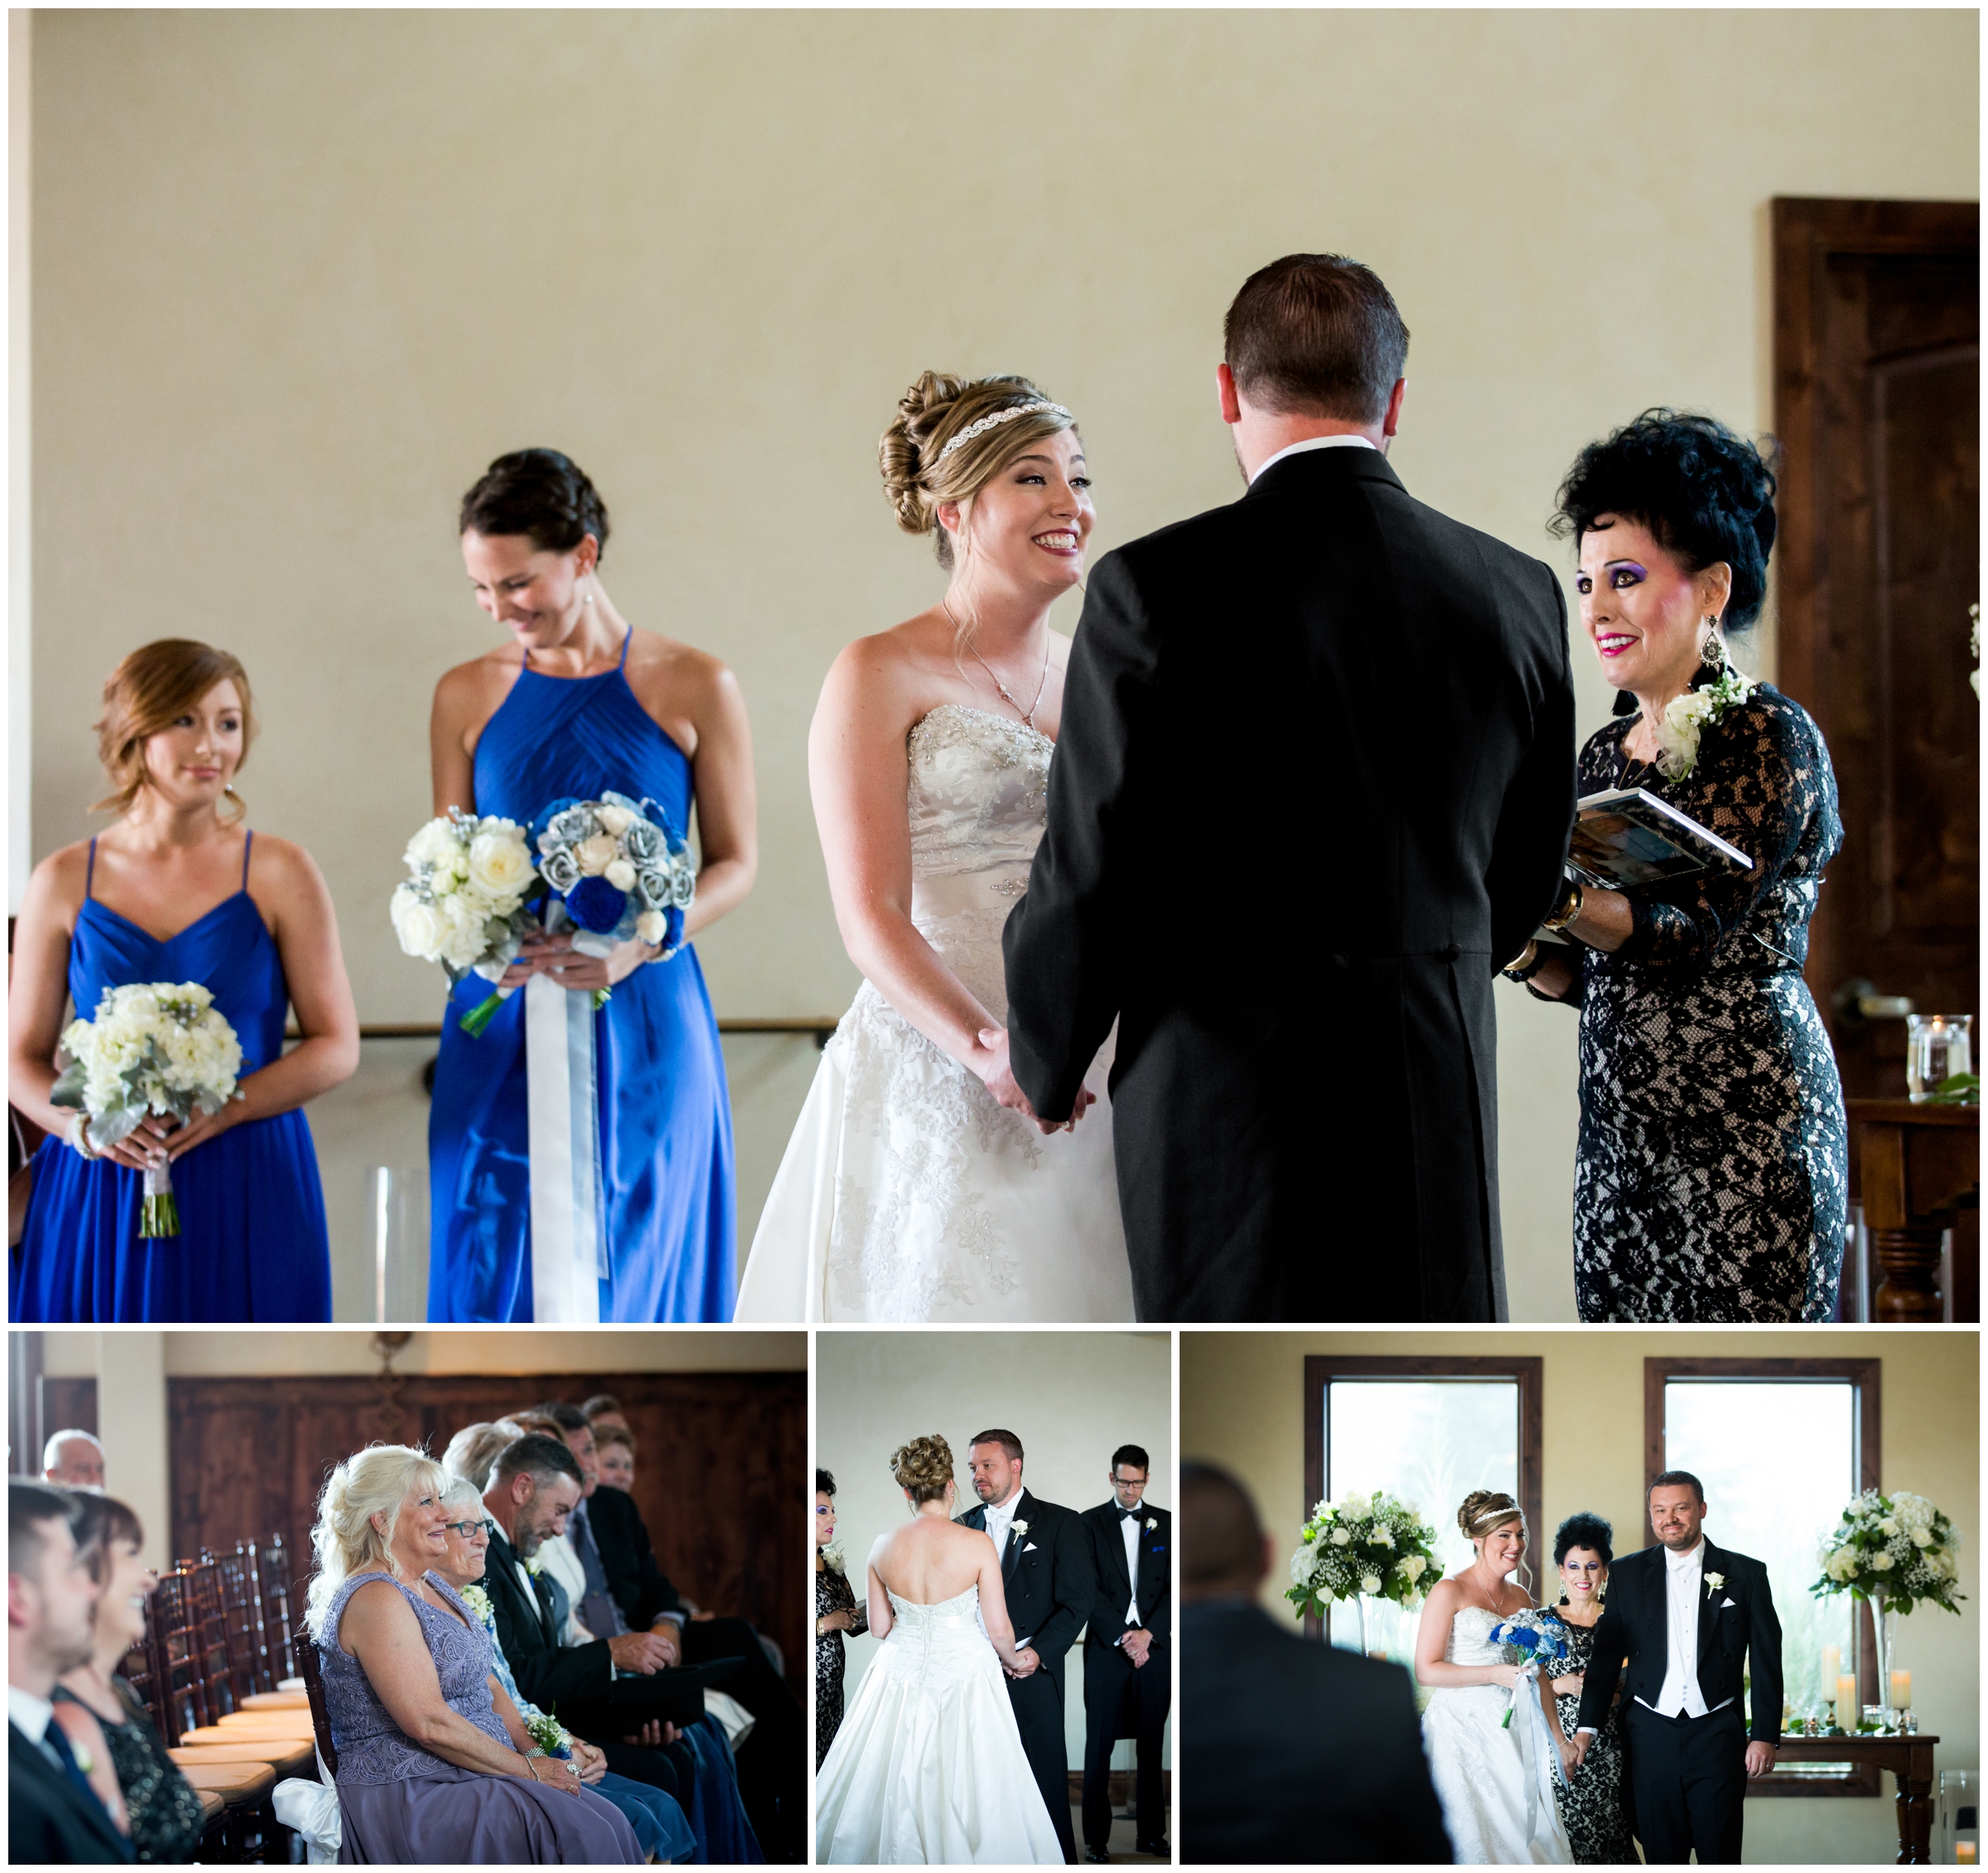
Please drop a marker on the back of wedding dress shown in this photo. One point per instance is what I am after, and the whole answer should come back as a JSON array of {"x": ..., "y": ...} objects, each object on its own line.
[{"x": 927, "y": 1768}]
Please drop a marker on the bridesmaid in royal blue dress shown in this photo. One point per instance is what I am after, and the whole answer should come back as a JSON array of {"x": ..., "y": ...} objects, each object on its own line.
[
  {"x": 178, "y": 889},
  {"x": 578, "y": 703}
]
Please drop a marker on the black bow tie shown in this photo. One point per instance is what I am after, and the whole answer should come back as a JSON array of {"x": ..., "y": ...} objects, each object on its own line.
[{"x": 1130, "y": 1514}]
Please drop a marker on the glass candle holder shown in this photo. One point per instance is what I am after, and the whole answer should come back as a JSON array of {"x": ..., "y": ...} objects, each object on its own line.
[{"x": 1936, "y": 1047}]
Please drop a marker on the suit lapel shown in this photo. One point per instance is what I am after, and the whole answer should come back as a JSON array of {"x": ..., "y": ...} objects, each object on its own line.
[
  {"x": 1012, "y": 1558},
  {"x": 1660, "y": 1575},
  {"x": 1115, "y": 1547},
  {"x": 1708, "y": 1606}
]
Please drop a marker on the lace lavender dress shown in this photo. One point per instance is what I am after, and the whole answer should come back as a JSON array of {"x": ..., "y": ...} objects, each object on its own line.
[
  {"x": 400, "y": 1805},
  {"x": 1712, "y": 1176},
  {"x": 906, "y": 1192}
]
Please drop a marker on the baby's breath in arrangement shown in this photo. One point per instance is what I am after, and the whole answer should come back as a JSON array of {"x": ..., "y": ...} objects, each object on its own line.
[
  {"x": 1897, "y": 1551},
  {"x": 1376, "y": 1546}
]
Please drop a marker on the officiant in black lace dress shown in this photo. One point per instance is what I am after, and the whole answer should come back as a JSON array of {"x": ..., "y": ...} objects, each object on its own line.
[
  {"x": 1711, "y": 1179},
  {"x": 1595, "y": 1806},
  {"x": 837, "y": 1610}
]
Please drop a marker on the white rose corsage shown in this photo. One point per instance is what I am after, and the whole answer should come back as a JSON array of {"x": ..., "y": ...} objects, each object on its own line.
[
  {"x": 478, "y": 1602},
  {"x": 1019, "y": 1528},
  {"x": 1152, "y": 1522},
  {"x": 832, "y": 1558},
  {"x": 1713, "y": 1582},
  {"x": 1691, "y": 714}
]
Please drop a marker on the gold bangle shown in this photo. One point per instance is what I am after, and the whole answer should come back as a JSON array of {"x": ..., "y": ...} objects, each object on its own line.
[{"x": 1569, "y": 907}]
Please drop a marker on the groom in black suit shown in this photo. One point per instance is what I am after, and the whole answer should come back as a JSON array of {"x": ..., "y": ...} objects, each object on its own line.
[
  {"x": 1045, "y": 1572},
  {"x": 1128, "y": 1652},
  {"x": 1687, "y": 1616},
  {"x": 1312, "y": 791}
]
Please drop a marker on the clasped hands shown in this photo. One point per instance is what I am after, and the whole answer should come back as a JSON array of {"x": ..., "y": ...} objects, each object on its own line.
[
  {"x": 544, "y": 953},
  {"x": 998, "y": 1077},
  {"x": 658, "y": 1650},
  {"x": 1026, "y": 1661},
  {"x": 1137, "y": 1645}
]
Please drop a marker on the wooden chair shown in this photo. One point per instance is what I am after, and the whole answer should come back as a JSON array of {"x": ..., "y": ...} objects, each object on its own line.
[
  {"x": 184, "y": 1710},
  {"x": 243, "y": 1623},
  {"x": 179, "y": 1691},
  {"x": 273, "y": 1579},
  {"x": 314, "y": 1688},
  {"x": 210, "y": 1627}
]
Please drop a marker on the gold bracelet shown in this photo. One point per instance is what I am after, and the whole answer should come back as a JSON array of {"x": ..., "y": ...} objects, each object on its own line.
[{"x": 1568, "y": 909}]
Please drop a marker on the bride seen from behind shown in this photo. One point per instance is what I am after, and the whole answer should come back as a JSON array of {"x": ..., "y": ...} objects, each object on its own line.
[
  {"x": 928, "y": 1767},
  {"x": 918, "y": 1184},
  {"x": 1496, "y": 1794}
]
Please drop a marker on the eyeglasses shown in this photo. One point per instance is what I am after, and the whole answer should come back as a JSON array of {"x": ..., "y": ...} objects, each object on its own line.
[{"x": 468, "y": 1530}]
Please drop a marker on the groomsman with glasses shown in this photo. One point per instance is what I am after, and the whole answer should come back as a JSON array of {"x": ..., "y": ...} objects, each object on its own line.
[{"x": 1128, "y": 1653}]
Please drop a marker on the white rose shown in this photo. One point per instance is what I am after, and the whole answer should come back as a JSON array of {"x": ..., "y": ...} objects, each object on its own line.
[
  {"x": 434, "y": 844},
  {"x": 621, "y": 875},
  {"x": 1370, "y": 1583},
  {"x": 1922, "y": 1538},
  {"x": 1341, "y": 1538},
  {"x": 421, "y": 927},
  {"x": 1382, "y": 1537},
  {"x": 593, "y": 856},
  {"x": 1301, "y": 1567},
  {"x": 1888, "y": 1526},
  {"x": 650, "y": 925},
  {"x": 1881, "y": 1562},
  {"x": 1414, "y": 1566},
  {"x": 614, "y": 821},
  {"x": 464, "y": 944},
  {"x": 499, "y": 866}
]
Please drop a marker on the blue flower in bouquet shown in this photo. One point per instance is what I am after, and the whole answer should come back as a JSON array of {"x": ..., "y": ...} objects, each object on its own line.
[
  {"x": 1539, "y": 1639},
  {"x": 595, "y": 904}
]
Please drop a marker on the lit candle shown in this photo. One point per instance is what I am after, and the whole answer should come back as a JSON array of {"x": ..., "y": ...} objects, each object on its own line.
[
  {"x": 1963, "y": 1853},
  {"x": 1901, "y": 1690},
  {"x": 1847, "y": 1701},
  {"x": 1832, "y": 1664}
]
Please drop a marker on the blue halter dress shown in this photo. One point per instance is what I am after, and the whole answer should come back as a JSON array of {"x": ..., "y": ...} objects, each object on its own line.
[
  {"x": 666, "y": 1157},
  {"x": 252, "y": 1243}
]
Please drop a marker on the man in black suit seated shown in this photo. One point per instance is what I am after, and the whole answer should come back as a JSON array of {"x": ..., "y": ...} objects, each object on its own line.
[
  {"x": 53, "y": 1815},
  {"x": 533, "y": 1486},
  {"x": 1127, "y": 1653},
  {"x": 1293, "y": 1751},
  {"x": 627, "y": 1592}
]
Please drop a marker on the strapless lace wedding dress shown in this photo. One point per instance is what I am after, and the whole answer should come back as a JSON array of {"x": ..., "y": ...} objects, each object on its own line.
[
  {"x": 928, "y": 1768},
  {"x": 1498, "y": 1803},
  {"x": 906, "y": 1192}
]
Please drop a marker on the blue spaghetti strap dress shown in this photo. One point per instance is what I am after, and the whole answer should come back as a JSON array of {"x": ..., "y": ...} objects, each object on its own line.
[
  {"x": 252, "y": 1245},
  {"x": 666, "y": 1155}
]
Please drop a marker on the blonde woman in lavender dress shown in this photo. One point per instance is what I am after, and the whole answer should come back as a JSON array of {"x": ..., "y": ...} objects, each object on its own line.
[{"x": 918, "y": 1184}]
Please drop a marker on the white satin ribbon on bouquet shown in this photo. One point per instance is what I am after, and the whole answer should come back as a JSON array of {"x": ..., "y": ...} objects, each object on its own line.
[
  {"x": 563, "y": 1125},
  {"x": 1545, "y": 1753}
]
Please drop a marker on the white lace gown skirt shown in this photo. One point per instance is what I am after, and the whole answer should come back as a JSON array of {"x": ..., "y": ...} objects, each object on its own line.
[
  {"x": 1486, "y": 1780},
  {"x": 927, "y": 1768}
]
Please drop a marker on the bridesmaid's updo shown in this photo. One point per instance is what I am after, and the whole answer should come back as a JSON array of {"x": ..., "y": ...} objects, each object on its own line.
[
  {"x": 919, "y": 473},
  {"x": 923, "y": 1467},
  {"x": 538, "y": 493},
  {"x": 1484, "y": 1510},
  {"x": 151, "y": 690},
  {"x": 1706, "y": 493}
]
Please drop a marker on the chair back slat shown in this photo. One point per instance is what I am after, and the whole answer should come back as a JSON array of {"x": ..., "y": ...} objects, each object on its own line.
[
  {"x": 314, "y": 1688},
  {"x": 273, "y": 1573},
  {"x": 249, "y": 1554},
  {"x": 181, "y": 1689},
  {"x": 210, "y": 1630},
  {"x": 237, "y": 1617}
]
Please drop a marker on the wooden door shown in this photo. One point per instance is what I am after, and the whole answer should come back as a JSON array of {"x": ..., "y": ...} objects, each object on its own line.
[{"x": 1877, "y": 370}]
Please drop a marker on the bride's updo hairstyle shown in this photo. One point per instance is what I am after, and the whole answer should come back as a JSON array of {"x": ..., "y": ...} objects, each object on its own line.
[
  {"x": 376, "y": 1481},
  {"x": 920, "y": 468},
  {"x": 538, "y": 493},
  {"x": 924, "y": 1468},
  {"x": 151, "y": 690},
  {"x": 1484, "y": 1510}
]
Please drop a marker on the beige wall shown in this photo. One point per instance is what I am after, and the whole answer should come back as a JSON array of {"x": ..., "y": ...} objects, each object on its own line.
[
  {"x": 298, "y": 276},
  {"x": 1242, "y": 1405},
  {"x": 1072, "y": 1398}
]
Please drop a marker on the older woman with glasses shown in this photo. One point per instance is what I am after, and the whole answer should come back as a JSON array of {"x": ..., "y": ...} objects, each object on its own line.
[{"x": 658, "y": 1821}]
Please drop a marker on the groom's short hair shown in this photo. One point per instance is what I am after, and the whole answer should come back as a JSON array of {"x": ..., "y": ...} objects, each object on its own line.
[
  {"x": 1676, "y": 1479},
  {"x": 1006, "y": 1439},
  {"x": 1315, "y": 335}
]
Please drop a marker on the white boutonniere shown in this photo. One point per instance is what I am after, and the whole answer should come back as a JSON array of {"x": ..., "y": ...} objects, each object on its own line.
[
  {"x": 1019, "y": 1526},
  {"x": 1691, "y": 714},
  {"x": 478, "y": 1602},
  {"x": 1713, "y": 1582},
  {"x": 832, "y": 1558},
  {"x": 1152, "y": 1522},
  {"x": 534, "y": 1566}
]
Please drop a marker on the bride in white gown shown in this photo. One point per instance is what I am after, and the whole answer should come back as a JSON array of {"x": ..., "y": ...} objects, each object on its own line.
[
  {"x": 927, "y": 1768},
  {"x": 1495, "y": 1783},
  {"x": 918, "y": 1184}
]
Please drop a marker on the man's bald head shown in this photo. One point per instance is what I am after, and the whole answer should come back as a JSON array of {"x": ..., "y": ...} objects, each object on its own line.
[{"x": 1223, "y": 1551}]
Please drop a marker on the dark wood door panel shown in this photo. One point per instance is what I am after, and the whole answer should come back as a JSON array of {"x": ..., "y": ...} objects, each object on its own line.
[{"x": 719, "y": 1476}]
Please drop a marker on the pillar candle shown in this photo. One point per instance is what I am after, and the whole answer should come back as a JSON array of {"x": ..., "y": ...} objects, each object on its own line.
[
  {"x": 1901, "y": 1690},
  {"x": 1846, "y": 1703},
  {"x": 1963, "y": 1853},
  {"x": 1832, "y": 1665}
]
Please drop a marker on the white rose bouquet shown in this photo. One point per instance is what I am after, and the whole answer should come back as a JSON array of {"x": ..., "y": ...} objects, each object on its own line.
[
  {"x": 1375, "y": 1546},
  {"x": 156, "y": 1047},
  {"x": 462, "y": 904},
  {"x": 1897, "y": 1551},
  {"x": 619, "y": 869}
]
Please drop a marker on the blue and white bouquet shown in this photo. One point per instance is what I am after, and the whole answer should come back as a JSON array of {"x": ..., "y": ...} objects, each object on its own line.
[
  {"x": 463, "y": 904},
  {"x": 1539, "y": 1640},
  {"x": 619, "y": 869}
]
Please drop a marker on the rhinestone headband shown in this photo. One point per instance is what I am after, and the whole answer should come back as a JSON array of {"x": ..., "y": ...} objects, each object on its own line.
[{"x": 995, "y": 422}]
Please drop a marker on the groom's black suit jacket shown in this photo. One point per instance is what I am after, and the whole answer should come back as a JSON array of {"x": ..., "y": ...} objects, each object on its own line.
[
  {"x": 1313, "y": 788},
  {"x": 1635, "y": 1625},
  {"x": 1047, "y": 1578}
]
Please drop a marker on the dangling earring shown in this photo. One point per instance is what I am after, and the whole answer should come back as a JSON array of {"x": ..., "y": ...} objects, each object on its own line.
[{"x": 1714, "y": 656}]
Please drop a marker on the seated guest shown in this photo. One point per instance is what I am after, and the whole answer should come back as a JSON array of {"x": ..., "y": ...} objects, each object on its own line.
[
  {"x": 658, "y": 1824},
  {"x": 604, "y": 1408},
  {"x": 432, "y": 1765},
  {"x": 625, "y": 1589},
  {"x": 163, "y": 1810},
  {"x": 53, "y": 1814},
  {"x": 558, "y": 1563},
  {"x": 615, "y": 1455},
  {"x": 73, "y": 1460},
  {"x": 1294, "y": 1752},
  {"x": 474, "y": 1449}
]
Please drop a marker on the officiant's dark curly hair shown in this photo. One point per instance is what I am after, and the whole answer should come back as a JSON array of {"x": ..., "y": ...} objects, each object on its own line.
[
  {"x": 923, "y": 1467},
  {"x": 1706, "y": 494},
  {"x": 1584, "y": 1530}
]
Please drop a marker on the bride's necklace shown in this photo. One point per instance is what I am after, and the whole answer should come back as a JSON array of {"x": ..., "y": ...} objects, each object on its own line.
[{"x": 1027, "y": 715}]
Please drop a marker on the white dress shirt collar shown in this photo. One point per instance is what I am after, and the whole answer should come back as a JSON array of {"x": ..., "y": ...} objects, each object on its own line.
[
  {"x": 29, "y": 1714},
  {"x": 1312, "y": 442},
  {"x": 1692, "y": 1558}
]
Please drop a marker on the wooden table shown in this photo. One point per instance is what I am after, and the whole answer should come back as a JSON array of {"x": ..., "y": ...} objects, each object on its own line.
[
  {"x": 1908, "y": 1758},
  {"x": 1917, "y": 1170}
]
